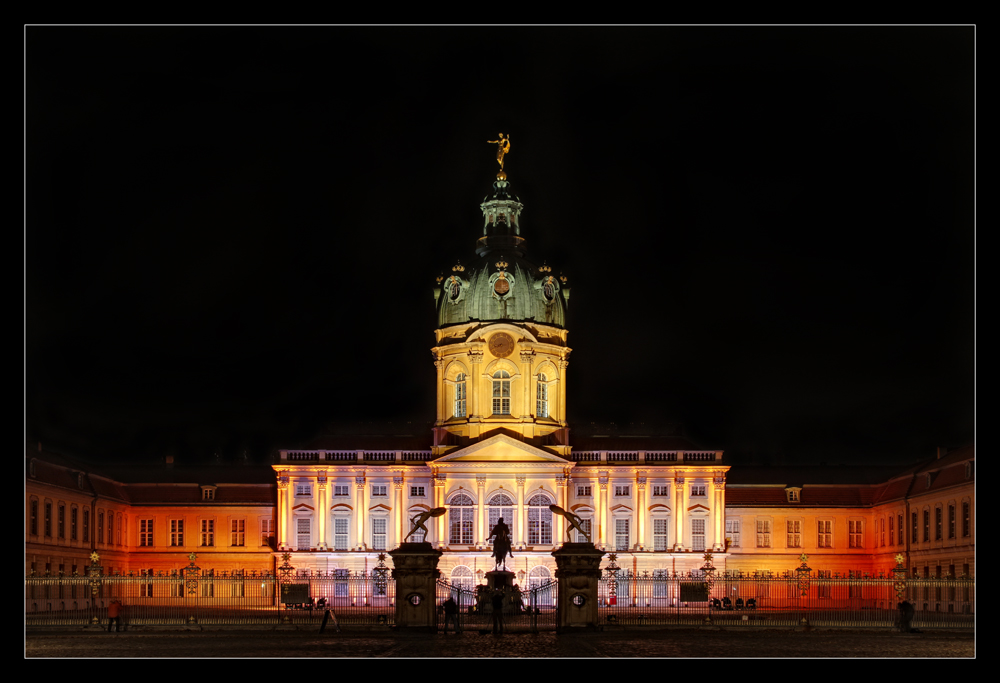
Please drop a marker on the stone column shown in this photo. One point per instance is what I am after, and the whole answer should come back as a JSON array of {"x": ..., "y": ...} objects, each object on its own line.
[
  {"x": 679, "y": 515},
  {"x": 399, "y": 528},
  {"x": 521, "y": 521},
  {"x": 442, "y": 412},
  {"x": 640, "y": 510},
  {"x": 578, "y": 569},
  {"x": 480, "y": 538},
  {"x": 562, "y": 500},
  {"x": 284, "y": 513},
  {"x": 719, "y": 483},
  {"x": 475, "y": 377},
  {"x": 438, "y": 483},
  {"x": 602, "y": 509},
  {"x": 416, "y": 573},
  {"x": 527, "y": 357},
  {"x": 563, "y": 364},
  {"x": 322, "y": 508},
  {"x": 359, "y": 506}
]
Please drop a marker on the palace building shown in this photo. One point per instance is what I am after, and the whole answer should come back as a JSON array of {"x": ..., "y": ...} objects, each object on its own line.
[{"x": 500, "y": 448}]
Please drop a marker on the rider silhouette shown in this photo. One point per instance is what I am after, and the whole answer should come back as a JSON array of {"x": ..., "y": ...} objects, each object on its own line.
[{"x": 501, "y": 547}]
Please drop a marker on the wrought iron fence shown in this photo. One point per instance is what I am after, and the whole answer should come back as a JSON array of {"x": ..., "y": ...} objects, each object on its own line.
[
  {"x": 788, "y": 599},
  {"x": 532, "y": 609},
  {"x": 201, "y": 597}
]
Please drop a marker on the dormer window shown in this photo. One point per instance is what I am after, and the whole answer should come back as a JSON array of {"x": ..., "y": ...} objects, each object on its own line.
[
  {"x": 793, "y": 493},
  {"x": 208, "y": 492}
]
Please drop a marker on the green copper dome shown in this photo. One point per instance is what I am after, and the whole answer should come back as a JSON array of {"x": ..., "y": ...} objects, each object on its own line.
[{"x": 499, "y": 283}]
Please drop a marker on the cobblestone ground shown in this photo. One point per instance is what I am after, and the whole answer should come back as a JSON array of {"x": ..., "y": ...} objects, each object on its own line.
[{"x": 678, "y": 644}]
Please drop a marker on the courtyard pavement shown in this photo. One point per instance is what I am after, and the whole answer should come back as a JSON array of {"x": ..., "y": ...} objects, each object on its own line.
[{"x": 694, "y": 644}]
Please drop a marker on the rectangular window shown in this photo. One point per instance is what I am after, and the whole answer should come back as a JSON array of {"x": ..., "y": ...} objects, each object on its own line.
[
  {"x": 86, "y": 526},
  {"x": 883, "y": 532},
  {"x": 914, "y": 528},
  {"x": 697, "y": 534},
  {"x": 892, "y": 535},
  {"x": 100, "y": 526},
  {"x": 34, "y": 517},
  {"x": 416, "y": 492},
  {"x": 378, "y": 533},
  {"x": 238, "y": 535},
  {"x": 460, "y": 396},
  {"x": 340, "y": 584},
  {"x": 208, "y": 583},
  {"x": 539, "y": 526},
  {"x": 661, "y": 490},
  {"x": 660, "y": 530},
  {"x": 61, "y": 521},
  {"x": 937, "y": 524},
  {"x": 822, "y": 586},
  {"x": 208, "y": 532},
  {"x": 794, "y": 535},
  {"x": 580, "y": 536},
  {"x": 379, "y": 490},
  {"x": 111, "y": 527},
  {"x": 73, "y": 519},
  {"x": 48, "y": 520},
  {"x": 342, "y": 489},
  {"x": 621, "y": 534},
  {"x": 177, "y": 532},
  {"x": 966, "y": 520},
  {"x": 583, "y": 491},
  {"x": 340, "y": 533},
  {"x": 698, "y": 490},
  {"x": 763, "y": 533},
  {"x": 951, "y": 521},
  {"x": 733, "y": 532},
  {"x": 854, "y": 539},
  {"x": 899, "y": 526},
  {"x": 267, "y": 533},
  {"x": 303, "y": 533},
  {"x": 927, "y": 525},
  {"x": 303, "y": 490},
  {"x": 146, "y": 589},
  {"x": 824, "y": 533},
  {"x": 622, "y": 490},
  {"x": 145, "y": 532}
]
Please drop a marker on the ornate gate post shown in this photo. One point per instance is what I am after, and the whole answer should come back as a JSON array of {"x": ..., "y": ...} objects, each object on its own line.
[
  {"x": 578, "y": 569},
  {"x": 416, "y": 573}
]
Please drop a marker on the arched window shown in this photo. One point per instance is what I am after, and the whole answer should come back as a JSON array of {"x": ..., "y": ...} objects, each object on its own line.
[
  {"x": 539, "y": 520},
  {"x": 542, "y": 397},
  {"x": 460, "y": 395},
  {"x": 501, "y": 392},
  {"x": 461, "y": 513},
  {"x": 501, "y": 505},
  {"x": 541, "y": 597}
]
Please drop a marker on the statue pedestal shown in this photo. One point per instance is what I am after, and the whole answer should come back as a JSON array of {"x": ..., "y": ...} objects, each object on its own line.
[
  {"x": 578, "y": 569},
  {"x": 500, "y": 579},
  {"x": 416, "y": 573}
]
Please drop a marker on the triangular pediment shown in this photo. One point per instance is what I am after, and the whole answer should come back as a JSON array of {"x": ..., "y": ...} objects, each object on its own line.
[{"x": 499, "y": 449}]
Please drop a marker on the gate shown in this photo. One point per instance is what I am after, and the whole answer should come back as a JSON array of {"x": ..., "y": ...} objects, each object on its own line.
[{"x": 530, "y": 610}]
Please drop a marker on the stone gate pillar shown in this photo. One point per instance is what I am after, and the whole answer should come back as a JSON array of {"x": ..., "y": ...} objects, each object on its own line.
[
  {"x": 578, "y": 569},
  {"x": 416, "y": 573}
]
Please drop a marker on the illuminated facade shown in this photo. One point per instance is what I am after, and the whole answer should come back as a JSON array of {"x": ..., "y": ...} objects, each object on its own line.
[{"x": 500, "y": 447}]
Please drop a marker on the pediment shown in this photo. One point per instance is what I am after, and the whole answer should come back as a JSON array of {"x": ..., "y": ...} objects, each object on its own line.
[{"x": 500, "y": 449}]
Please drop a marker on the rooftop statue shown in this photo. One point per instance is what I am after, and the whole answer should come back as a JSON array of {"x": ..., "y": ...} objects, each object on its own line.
[
  {"x": 575, "y": 522},
  {"x": 503, "y": 147}
]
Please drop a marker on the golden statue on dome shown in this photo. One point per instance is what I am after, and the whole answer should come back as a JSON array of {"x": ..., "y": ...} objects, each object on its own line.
[{"x": 503, "y": 147}]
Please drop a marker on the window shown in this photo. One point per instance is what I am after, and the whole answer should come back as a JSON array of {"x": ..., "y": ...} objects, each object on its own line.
[
  {"x": 899, "y": 525},
  {"x": 824, "y": 533},
  {"x": 340, "y": 533},
  {"x": 927, "y": 525},
  {"x": 460, "y": 395},
  {"x": 501, "y": 392},
  {"x": 622, "y": 490},
  {"x": 660, "y": 490},
  {"x": 542, "y": 397},
  {"x": 460, "y": 520},
  {"x": 145, "y": 531},
  {"x": 342, "y": 489},
  {"x": 914, "y": 535},
  {"x": 267, "y": 532},
  {"x": 937, "y": 524},
  {"x": 763, "y": 533},
  {"x": 239, "y": 532},
  {"x": 892, "y": 535},
  {"x": 33, "y": 513},
  {"x": 379, "y": 490},
  {"x": 794, "y": 533},
  {"x": 208, "y": 583},
  {"x": 539, "y": 520},
  {"x": 792, "y": 495},
  {"x": 697, "y": 534},
  {"x": 951, "y": 521},
  {"x": 303, "y": 490},
  {"x": 303, "y": 533},
  {"x": 74, "y": 515},
  {"x": 966, "y": 520},
  {"x": 883, "y": 531},
  {"x": 208, "y": 493},
  {"x": 698, "y": 490},
  {"x": 378, "y": 533},
  {"x": 86, "y": 525},
  {"x": 146, "y": 589},
  {"x": 48, "y": 520},
  {"x": 733, "y": 532},
  {"x": 208, "y": 532},
  {"x": 854, "y": 539},
  {"x": 621, "y": 534},
  {"x": 587, "y": 527},
  {"x": 176, "y": 532},
  {"x": 661, "y": 528},
  {"x": 340, "y": 584},
  {"x": 111, "y": 527},
  {"x": 61, "y": 521},
  {"x": 237, "y": 586},
  {"x": 583, "y": 491},
  {"x": 416, "y": 492},
  {"x": 823, "y": 587}
]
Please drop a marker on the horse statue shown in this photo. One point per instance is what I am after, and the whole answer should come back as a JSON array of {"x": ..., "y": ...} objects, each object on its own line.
[{"x": 501, "y": 546}]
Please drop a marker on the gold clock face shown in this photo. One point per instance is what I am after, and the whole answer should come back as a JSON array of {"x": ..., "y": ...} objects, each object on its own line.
[
  {"x": 501, "y": 345},
  {"x": 501, "y": 287}
]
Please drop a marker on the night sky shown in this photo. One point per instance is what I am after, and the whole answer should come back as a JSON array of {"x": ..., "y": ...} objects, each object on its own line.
[{"x": 231, "y": 234}]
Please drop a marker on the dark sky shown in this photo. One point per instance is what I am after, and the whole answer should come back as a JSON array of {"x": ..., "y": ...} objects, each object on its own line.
[{"x": 231, "y": 234}]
